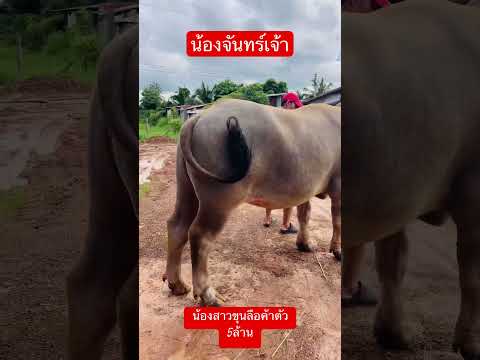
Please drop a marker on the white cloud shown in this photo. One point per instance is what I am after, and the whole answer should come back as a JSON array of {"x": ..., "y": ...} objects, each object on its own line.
[{"x": 163, "y": 26}]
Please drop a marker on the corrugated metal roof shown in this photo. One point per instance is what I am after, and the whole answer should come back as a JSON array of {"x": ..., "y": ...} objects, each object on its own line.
[
  {"x": 269, "y": 95},
  {"x": 332, "y": 97}
]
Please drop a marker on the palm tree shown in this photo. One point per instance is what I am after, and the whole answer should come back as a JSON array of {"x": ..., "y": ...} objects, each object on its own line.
[
  {"x": 301, "y": 95},
  {"x": 205, "y": 94},
  {"x": 182, "y": 97},
  {"x": 319, "y": 87}
]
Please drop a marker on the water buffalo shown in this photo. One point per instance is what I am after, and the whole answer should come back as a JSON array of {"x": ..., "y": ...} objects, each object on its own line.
[
  {"x": 239, "y": 151},
  {"x": 110, "y": 256},
  {"x": 411, "y": 146}
]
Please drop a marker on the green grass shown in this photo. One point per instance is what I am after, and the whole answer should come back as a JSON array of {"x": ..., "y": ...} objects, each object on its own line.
[
  {"x": 144, "y": 189},
  {"x": 39, "y": 64},
  {"x": 11, "y": 201},
  {"x": 167, "y": 127}
]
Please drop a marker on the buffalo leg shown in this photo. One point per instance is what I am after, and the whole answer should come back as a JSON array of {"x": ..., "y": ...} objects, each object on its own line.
[
  {"x": 303, "y": 237},
  {"x": 465, "y": 214},
  {"x": 351, "y": 266},
  {"x": 96, "y": 280},
  {"x": 206, "y": 226},
  {"x": 335, "y": 194},
  {"x": 128, "y": 316},
  {"x": 186, "y": 208},
  {"x": 390, "y": 258}
]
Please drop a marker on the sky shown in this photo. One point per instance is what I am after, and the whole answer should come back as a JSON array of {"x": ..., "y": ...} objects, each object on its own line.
[{"x": 164, "y": 24}]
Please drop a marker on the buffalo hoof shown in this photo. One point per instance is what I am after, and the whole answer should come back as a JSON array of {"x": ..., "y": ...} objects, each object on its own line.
[
  {"x": 179, "y": 288},
  {"x": 209, "y": 297},
  {"x": 390, "y": 339},
  {"x": 305, "y": 247},
  {"x": 337, "y": 254},
  {"x": 468, "y": 351}
]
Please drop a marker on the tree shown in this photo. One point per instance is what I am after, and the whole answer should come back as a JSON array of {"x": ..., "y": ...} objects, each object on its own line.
[
  {"x": 224, "y": 87},
  {"x": 26, "y": 6},
  {"x": 273, "y": 87},
  {"x": 319, "y": 87},
  {"x": 84, "y": 23},
  {"x": 60, "y": 4},
  {"x": 182, "y": 97},
  {"x": 204, "y": 94},
  {"x": 302, "y": 95},
  {"x": 151, "y": 98},
  {"x": 253, "y": 92},
  {"x": 36, "y": 6}
]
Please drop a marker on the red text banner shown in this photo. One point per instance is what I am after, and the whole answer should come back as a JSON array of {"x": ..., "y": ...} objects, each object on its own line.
[
  {"x": 240, "y": 43},
  {"x": 240, "y": 327}
]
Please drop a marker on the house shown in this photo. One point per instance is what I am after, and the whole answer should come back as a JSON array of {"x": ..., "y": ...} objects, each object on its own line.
[
  {"x": 185, "y": 112},
  {"x": 191, "y": 110},
  {"x": 180, "y": 110},
  {"x": 170, "y": 109},
  {"x": 275, "y": 99},
  {"x": 108, "y": 19},
  {"x": 125, "y": 16},
  {"x": 332, "y": 97}
]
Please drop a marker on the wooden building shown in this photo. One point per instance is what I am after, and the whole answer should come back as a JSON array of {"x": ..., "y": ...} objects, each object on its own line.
[{"x": 108, "y": 19}]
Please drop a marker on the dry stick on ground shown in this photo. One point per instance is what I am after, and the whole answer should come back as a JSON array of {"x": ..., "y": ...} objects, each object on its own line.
[
  {"x": 286, "y": 336},
  {"x": 321, "y": 266},
  {"x": 239, "y": 354}
]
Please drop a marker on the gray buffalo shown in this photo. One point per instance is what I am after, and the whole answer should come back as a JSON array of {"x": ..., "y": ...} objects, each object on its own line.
[
  {"x": 242, "y": 152},
  {"x": 411, "y": 146},
  {"x": 106, "y": 272}
]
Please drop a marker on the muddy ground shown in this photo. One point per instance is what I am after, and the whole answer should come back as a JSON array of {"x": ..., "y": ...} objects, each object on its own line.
[
  {"x": 44, "y": 202},
  {"x": 248, "y": 265}
]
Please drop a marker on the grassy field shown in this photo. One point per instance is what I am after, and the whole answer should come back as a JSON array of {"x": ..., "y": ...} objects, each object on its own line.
[
  {"x": 39, "y": 64},
  {"x": 168, "y": 127},
  {"x": 144, "y": 189}
]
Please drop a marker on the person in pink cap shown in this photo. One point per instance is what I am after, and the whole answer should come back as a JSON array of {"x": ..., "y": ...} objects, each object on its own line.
[{"x": 289, "y": 101}]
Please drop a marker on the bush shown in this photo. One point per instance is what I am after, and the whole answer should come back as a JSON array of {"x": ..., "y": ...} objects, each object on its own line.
[
  {"x": 84, "y": 22},
  {"x": 57, "y": 42},
  {"x": 175, "y": 125},
  {"x": 153, "y": 118},
  {"x": 36, "y": 30},
  {"x": 86, "y": 50},
  {"x": 174, "y": 113},
  {"x": 255, "y": 95},
  {"x": 253, "y": 92},
  {"x": 52, "y": 24},
  {"x": 10, "y": 39},
  {"x": 33, "y": 37},
  {"x": 169, "y": 127},
  {"x": 6, "y": 24},
  {"x": 21, "y": 22}
]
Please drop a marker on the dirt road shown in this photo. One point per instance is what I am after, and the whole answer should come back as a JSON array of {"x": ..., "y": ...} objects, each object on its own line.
[
  {"x": 44, "y": 199},
  {"x": 248, "y": 265}
]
